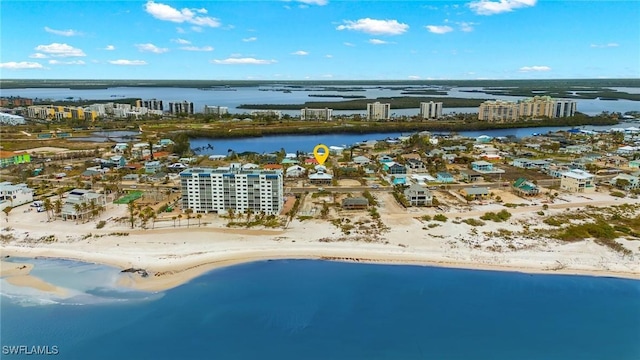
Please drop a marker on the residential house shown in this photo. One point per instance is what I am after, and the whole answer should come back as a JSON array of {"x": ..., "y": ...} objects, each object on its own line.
[
  {"x": 249, "y": 166},
  {"x": 295, "y": 171},
  {"x": 77, "y": 203},
  {"x": 475, "y": 193},
  {"x": 418, "y": 195},
  {"x": 525, "y": 188},
  {"x": 524, "y": 163},
  {"x": 385, "y": 159},
  {"x": 449, "y": 158},
  {"x": 355, "y": 203},
  {"x": 272, "y": 167},
  {"x": 577, "y": 180},
  {"x": 118, "y": 160},
  {"x": 311, "y": 161},
  {"x": 634, "y": 163},
  {"x": 415, "y": 164},
  {"x": 393, "y": 168},
  {"x": 482, "y": 166},
  {"x": 89, "y": 174},
  {"x": 444, "y": 177},
  {"x": 617, "y": 160},
  {"x": 320, "y": 178},
  {"x": 633, "y": 182},
  {"x": 361, "y": 160},
  {"x": 470, "y": 176},
  {"x": 151, "y": 167},
  {"x": 14, "y": 195}
]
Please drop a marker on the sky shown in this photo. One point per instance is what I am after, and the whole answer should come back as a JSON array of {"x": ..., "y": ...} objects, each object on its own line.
[{"x": 319, "y": 39}]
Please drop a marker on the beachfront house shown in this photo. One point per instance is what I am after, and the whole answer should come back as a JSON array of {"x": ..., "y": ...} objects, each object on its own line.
[
  {"x": 475, "y": 193},
  {"x": 14, "y": 195},
  {"x": 79, "y": 203},
  {"x": 626, "y": 182},
  {"x": 355, "y": 203},
  {"x": 523, "y": 187},
  {"x": 634, "y": 164},
  {"x": 577, "y": 180},
  {"x": 418, "y": 195}
]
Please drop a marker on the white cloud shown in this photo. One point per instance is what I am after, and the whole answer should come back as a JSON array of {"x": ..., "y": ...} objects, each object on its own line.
[
  {"x": 314, "y": 2},
  {"x": 534, "y": 68},
  {"x": 180, "y": 30},
  {"x": 12, "y": 65},
  {"x": 488, "y": 7},
  {"x": 375, "y": 27},
  {"x": 127, "y": 62},
  {"x": 196, "y": 29},
  {"x": 62, "y": 32},
  {"x": 240, "y": 61},
  {"x": 377, "y": 42},
  {"x": 439, "y": 29},
  {"x": 38, "y": 56},
  {"x": 110, "y": 48},
  {"x": 250, "y": 39},
  {"x": 414, "y": 77},
  {"x": 348, "y": 44},
  {"x": 72, "y": 62},
  {"x": 466, "y": 26},
  {"x": 195, "y": 48},
  {"x": 185, "y": 15},
  {"x": 609, "y": 45},
  {"x": 151, "y": 48},
  {"x": 60, "y": 50},
  {"x": 328, "y": 56},
  {"x": 181, "y": 41},
  {"x": 300, "y": 53}
]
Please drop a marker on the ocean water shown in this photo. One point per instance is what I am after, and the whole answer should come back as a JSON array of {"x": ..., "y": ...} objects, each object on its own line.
[{"x": 304, "y": 309}]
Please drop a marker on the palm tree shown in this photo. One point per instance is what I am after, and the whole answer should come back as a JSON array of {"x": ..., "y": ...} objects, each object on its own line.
[
  {"x": 188, "y": 212},
  {"x": 179, "y": 217},
  {"x": 57, "y": 207},
  {"x": 131, "y": 206},
  {"x": 48, "y": 207},
  {"x": 249, "y": 213},
  {"x": 199, "y": 216},
  {"x": 174, "y": 221},
  {"x": 77, "y": 208}
]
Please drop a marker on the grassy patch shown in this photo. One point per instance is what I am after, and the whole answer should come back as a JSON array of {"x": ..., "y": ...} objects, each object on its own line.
[{"x": 473, "y": 222}]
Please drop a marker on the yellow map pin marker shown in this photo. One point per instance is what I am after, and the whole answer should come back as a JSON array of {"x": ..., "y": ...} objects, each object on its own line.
[{"x": 321, "y": 157}]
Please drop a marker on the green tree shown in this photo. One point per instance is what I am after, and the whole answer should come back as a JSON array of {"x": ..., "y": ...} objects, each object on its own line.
[{"x": 6, "y": 211}]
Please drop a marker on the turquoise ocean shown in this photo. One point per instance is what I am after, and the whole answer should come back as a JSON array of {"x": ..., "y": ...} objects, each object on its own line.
[{"x": 306, "y": 309}]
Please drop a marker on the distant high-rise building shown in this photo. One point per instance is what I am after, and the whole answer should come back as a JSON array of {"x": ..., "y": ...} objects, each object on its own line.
[
  {"x": 151, "y": 104},
  {"x": 535, "y": 107},
  {"x": 564, "y": 108},
  {"x": 184, "y": 107},
  {"x": 430, "y": 110},
  {"x": 276, "y": 113},
  {"x": 216, "y": 110},
  {"x": 378, "y": 111},
  {"x": 307, "y": 114},
  {"x": 498, "y": 111}
]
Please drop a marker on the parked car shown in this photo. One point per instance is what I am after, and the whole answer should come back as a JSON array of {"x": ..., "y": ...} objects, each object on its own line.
[{"x": 37, "y": 204}]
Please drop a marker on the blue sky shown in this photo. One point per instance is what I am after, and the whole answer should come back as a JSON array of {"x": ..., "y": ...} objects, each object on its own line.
[{"x": 320, "y": 39}]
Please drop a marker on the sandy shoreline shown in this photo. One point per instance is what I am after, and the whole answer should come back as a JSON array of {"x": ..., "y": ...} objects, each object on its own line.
[
  {"x": 18, "y": 274},
  {"x": 172, "y": 256}
]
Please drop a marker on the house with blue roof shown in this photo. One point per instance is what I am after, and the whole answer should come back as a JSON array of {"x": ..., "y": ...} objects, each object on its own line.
[{"x": 444, "y": 177}]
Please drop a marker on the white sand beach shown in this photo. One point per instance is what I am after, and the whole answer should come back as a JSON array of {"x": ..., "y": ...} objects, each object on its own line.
[{"x": 174, "y": 255}]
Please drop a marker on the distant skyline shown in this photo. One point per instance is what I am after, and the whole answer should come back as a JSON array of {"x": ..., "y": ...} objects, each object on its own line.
[{"x": 319, "y": 40}]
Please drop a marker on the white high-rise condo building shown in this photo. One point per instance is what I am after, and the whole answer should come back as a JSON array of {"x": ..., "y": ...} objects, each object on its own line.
[
  {"x": 378, "y": 111},
  {"x": 565, "y": 108},
  {"x": 307, "y": 114},
  {"x": 216, "y": 110},
  {"x": 218, "y": 190},
  {"x": 430, "y": 110}
]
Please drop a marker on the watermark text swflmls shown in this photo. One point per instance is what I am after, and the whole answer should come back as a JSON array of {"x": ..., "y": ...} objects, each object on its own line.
[{"x": 30, "y": 350}]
